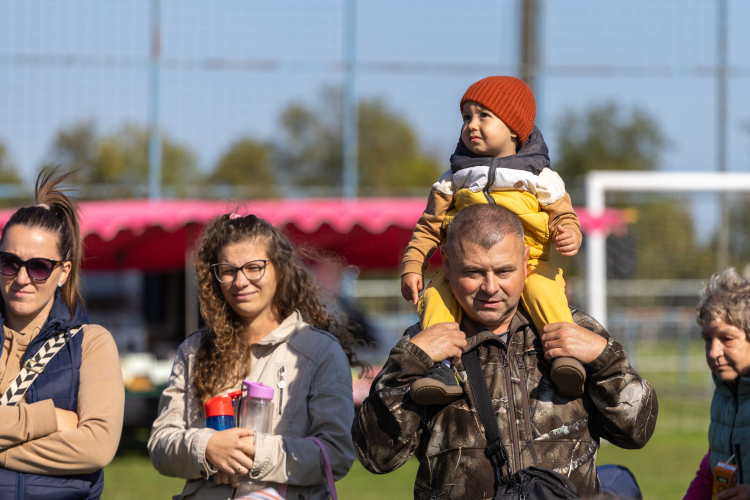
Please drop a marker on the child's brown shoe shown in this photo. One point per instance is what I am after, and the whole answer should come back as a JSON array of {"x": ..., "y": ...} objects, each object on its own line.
[
  {"x": 568, "y": 374},
  {"x": 438, "y": 387}
]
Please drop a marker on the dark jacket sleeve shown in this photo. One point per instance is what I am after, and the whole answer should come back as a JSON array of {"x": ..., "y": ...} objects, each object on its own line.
[
  {"x": 625, "y": 403},
  {"x": 388, "y": 425}
]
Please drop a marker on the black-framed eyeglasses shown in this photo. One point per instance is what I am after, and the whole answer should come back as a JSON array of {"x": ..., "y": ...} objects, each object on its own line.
[
  {"x": 38, "y": 268},
  {"x": 253, "y": 270}
]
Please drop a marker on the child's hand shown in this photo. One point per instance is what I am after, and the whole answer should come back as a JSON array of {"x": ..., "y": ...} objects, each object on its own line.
[
  {"x": 567, "y": 242},
  {"x": 411, "y": 285}
]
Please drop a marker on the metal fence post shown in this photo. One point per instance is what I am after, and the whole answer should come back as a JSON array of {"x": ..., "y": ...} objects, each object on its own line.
[
  {"x": 350, "y": 132},
  {"x": 154, "y": 143}
]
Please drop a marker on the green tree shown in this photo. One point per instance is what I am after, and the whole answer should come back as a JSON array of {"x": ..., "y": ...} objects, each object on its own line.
[
  {"x": 120, "y": 158},
  {"x": 8, "y": 174},
  {"x": 738, "y": 208},
  {"x": 247, "y": 162},
  {"x": 661, "y": 238},
  {"x": 123, "y": 158},
  {"x": 13, "y": 191},
  {"x": 75, "y": 148},
  {"x": 391, "y": 161},
  {"x": 605, "y": 138}
]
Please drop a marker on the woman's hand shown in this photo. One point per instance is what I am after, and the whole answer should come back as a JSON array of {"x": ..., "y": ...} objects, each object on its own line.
[
  {"x": 739, "y": 492},
  {"x": 231, "y": 451},
  {"x": 66, "y": 420}
]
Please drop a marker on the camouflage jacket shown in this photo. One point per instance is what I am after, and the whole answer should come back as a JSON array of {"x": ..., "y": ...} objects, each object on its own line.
[{"x": 538, "y": 426}]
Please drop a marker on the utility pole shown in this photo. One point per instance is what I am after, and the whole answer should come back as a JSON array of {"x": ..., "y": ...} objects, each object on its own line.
[
  {"x": 722, "y": 247},
  {"x": 529, "y": 56},
  {"x": 154, "y": 143},
  {"x": 350, "y": 132}
]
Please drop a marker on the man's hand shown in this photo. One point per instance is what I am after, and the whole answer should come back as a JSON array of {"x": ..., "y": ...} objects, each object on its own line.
[
  {"x": 66, "y": 420},
  {"x": 739, "y": 492},
  {"x": 567, "y": 242},
  {"x": 441, "y": 341},
  {"x": 573, "y": 341},
  {"x": 411, "y": 285}
]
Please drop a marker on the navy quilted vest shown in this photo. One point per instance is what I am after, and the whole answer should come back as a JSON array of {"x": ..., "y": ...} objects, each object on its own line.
[{"x": 58, "y": 382}]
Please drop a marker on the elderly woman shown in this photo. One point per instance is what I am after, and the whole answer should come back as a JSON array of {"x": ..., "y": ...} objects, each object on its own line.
[{"x": 724, "y": 315}]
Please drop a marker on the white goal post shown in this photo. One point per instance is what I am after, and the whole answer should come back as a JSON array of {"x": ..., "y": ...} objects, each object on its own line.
[{"x": 598, "y": 183}]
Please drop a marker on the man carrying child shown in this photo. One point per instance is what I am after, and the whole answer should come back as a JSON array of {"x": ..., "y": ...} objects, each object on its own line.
[{"x": 486, "y": 250}]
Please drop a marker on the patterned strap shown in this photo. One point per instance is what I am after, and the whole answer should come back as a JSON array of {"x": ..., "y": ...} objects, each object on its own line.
[
  {"x": 329, "y": 472},
  {"x": 34, "y": 366}
]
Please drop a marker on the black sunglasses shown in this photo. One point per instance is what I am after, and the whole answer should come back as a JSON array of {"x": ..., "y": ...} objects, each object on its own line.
[
  {"x": 39, "y": 269},
  {"x": 253, "y": 271}
]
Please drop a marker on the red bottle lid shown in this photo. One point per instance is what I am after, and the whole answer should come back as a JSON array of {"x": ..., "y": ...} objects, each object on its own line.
[{"x": 221, "y": 405}]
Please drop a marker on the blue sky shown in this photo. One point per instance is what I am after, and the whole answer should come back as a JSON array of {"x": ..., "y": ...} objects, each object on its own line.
[{"x": 106, "y": 79}]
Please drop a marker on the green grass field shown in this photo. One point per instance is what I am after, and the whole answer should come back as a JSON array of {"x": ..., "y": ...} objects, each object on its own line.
[{"x": 664, "y": 468}]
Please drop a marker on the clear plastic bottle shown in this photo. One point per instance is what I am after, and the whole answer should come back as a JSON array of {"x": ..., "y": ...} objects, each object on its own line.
[
  {"x": 256, "y": 407},
  {"x": 256, "y": 413}
]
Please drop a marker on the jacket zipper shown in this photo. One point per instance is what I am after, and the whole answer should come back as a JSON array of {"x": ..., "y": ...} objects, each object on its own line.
[
  {"x": 525, "y": 398},
  {"x": 490, "y": 182},
  {"x": 511, "y": 411},
  {"x": 736, "y": 400},
  {"x": 281, "y": 384}
]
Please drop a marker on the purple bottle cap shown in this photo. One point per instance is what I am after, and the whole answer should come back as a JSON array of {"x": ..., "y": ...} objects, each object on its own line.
[{"x": 257, "y": 390}]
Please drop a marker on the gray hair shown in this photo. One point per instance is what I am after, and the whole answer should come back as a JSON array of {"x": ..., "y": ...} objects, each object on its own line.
[
  {"x": 484, "y": 225},
  {"x": 726, "y": 298}
]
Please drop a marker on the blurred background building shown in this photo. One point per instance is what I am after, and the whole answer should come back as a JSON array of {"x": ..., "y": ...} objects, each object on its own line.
[{"x": 305, "y": 110}]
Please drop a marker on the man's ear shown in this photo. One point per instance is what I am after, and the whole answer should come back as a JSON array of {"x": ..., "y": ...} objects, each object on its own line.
[
  {"x": 444, "y": 256},
  {"x": 526, "y": 253}
]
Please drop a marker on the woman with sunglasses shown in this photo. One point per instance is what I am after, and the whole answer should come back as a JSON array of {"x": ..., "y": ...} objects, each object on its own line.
[
  {"x": 62, "y": 392},
  {"x": 264, "y": 322}
]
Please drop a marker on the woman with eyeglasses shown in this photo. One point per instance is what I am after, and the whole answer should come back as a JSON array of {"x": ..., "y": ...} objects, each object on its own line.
[
  {"x": 264, "y": 322},
  {"x": 62, "y": 400}
]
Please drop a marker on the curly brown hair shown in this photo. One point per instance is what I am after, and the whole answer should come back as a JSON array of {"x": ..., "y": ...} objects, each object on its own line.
[{"x": 223, "y": 357}]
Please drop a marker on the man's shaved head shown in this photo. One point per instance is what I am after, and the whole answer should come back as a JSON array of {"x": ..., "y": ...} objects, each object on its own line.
[{"x": 483, "y": 225}]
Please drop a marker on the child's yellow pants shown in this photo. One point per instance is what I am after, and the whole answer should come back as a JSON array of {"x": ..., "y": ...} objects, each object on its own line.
[{"x": 543, "y": 298}]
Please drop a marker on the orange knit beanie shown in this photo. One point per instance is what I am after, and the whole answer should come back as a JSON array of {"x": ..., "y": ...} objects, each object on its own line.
[{"x": 509, "y": 98}]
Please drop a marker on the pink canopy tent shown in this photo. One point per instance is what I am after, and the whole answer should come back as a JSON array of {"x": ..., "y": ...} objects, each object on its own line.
[{"x": 369, "y": 233}]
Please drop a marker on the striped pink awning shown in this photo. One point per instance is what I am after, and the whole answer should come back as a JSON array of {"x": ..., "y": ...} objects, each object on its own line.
[{"x": 366, "y": 232}]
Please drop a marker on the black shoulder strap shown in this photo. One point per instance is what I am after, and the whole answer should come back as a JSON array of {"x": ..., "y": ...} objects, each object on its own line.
[{"x": 495, "y": 451}]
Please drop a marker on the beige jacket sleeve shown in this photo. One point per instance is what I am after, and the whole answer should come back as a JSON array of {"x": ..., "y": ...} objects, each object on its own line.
[
  {"x": 101, "y": 402},
  {"x": 22, "y": 422},
  {"x": 25, "y": 422},
  {"x": 427, "y": 235},
  {"x": 561, "y": 213},
  {"x": 299, "y": 461},
  {"x": 175, "y": 449},
  {"x": 555, "y": 200}
]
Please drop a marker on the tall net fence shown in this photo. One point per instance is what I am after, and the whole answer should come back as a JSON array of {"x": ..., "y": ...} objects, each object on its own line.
[{"x": 229, "y": 70}]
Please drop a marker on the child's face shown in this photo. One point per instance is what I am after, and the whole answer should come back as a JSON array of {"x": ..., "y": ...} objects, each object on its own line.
[{"x": 485, "y": 134}]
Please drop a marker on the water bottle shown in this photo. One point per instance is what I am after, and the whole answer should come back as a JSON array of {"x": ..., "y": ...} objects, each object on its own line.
[
  {"x": 256, "y": 407},
  {"x": 256, "y": 413},
  {"x": 220, "y": 411}
]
